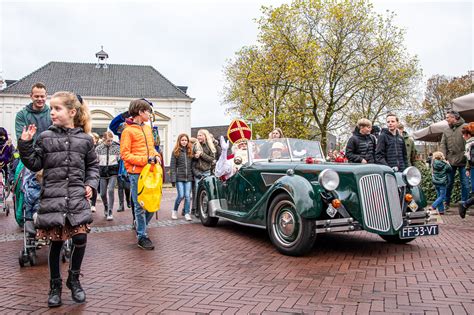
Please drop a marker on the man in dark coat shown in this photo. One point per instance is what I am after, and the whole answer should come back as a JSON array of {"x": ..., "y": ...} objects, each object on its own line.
[
  {"x": 453, "y": 146},
  {"x": 361, "y": 146},
  {"x": 391, "y": 150}
]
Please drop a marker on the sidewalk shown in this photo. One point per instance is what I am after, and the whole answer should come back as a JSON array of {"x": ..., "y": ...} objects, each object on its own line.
[{"x": 232, "y": 269}]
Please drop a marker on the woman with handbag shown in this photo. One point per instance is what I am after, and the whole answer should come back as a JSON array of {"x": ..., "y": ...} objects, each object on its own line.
[{"x": 108, "y": 153}]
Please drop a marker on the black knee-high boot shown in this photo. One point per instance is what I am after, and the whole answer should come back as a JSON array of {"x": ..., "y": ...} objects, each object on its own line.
[
  {"x": 79, "y": 245},
  {"x": 73, "y": 283},
  {"x": 55, "y": 289},
  {"x": 56, "y": 283}
]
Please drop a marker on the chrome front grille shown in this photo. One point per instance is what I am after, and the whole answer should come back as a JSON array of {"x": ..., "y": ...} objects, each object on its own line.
[
  {"x": 374, "y": 203},
  {"x": 394, "y": 201}
]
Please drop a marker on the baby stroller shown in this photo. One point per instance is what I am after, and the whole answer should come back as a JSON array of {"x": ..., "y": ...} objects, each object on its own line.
[
  {"x": 30, "y": 244},
  {"x": 4, "y": 192},
  {"x": 30, "y": 189},
  {"x": 27, "y": 207}
]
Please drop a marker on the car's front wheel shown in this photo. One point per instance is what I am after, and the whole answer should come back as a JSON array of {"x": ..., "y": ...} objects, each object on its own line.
[
  {"x": 203, "y": 209},
  {"x": 395, "y": 239},
  {"x": 291, "y": 234}
]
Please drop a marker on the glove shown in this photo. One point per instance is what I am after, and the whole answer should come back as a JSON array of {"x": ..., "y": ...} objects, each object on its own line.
[{"x": 173, "y": 184}]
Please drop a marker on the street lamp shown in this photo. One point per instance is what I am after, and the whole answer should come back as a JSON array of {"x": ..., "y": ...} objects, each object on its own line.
[
  {"x": 274, "y": 114},
  {"x": 251, "y": 121}
]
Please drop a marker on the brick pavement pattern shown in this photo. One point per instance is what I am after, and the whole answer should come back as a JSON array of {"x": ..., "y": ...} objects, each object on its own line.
[{"x": 232, "y": 269}]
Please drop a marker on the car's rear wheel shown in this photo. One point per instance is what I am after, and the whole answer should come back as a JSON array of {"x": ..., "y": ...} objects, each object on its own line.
[
  {"x": 290, "y": 233},
  {"x": 203, "y": 209},
  {"x": 395, "y": 239}
]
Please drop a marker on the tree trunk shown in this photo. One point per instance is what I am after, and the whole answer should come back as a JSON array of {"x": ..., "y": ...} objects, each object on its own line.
[{"x": 324, "y": 140}]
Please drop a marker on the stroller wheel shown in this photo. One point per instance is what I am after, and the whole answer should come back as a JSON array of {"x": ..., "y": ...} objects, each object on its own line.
[
  {"x": 65, "y": 256},
  {"x": 32, "y": 258},
  {"x": 66, "y": 251},
  {"x": 23, "y": 259}
]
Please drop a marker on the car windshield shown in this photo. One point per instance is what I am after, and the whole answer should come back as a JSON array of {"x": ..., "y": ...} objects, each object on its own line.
[{"x": 284, "y": 149}]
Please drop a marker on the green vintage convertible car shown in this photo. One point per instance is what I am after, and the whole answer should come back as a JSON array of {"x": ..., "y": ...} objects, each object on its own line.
[{"x": 289, "y": 189}]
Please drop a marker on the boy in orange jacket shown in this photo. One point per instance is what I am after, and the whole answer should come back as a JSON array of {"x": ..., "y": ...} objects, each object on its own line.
[{"x": 137, "y": 149}]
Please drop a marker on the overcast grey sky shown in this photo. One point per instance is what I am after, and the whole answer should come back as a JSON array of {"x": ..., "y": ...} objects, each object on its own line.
[{"x": 190, "y": 41}]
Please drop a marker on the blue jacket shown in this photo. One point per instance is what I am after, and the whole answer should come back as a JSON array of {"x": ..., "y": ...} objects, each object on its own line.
[{"x": 116, "y": 127}]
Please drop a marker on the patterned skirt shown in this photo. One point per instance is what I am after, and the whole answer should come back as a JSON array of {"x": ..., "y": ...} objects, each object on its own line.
[{"x": 62, "y": 233}]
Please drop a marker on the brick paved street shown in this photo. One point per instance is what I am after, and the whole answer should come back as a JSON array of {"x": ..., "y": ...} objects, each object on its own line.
[{"x": 235, "y": 270}]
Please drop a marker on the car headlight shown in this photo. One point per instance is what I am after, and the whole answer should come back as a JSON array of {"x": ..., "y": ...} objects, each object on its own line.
[
  {"x": 412, "y": 176},
  {"x": 329, "y": 179}
]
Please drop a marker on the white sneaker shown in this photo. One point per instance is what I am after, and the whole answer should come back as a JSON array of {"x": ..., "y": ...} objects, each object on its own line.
[
  {"x": 110, "y": 217},
  {"x": 174, "y": 215},
  {"x": 188, "y": 217},
  {"x": 93, "y": 208}
]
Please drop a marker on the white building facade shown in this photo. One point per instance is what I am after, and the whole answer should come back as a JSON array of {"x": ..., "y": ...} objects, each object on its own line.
[{"x": 171, "y": 105}]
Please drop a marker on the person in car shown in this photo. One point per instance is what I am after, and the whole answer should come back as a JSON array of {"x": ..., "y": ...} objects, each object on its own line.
[{"x": 279, "y": 151}]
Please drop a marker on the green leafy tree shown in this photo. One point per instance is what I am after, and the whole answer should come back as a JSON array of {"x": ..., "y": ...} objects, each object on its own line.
[
  {"x": 439, "y": 94},
  {"x": 325, "y": 62}
]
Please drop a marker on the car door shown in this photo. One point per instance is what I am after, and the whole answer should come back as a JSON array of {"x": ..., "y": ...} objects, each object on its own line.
[{"x": 239, "y": 192}]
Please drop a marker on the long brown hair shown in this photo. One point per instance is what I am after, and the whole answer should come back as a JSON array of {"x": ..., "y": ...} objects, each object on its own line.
[
  {"x": 71, "y": 101},
  {"x": 177, "y": 147}
]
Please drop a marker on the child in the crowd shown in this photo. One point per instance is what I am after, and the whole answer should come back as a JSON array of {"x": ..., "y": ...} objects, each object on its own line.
[
  {"x": 93, "y": 200},
  {"x": 181, "y": 174},
  {"x": 439, "y": 173},
  {"x": 108, "y": 153},
  {"x": 6, "y": 151},
  {"x": 32, "y": 191},
  {"x": 137, "y": 149},
  {"x": 66, "y": 154}
]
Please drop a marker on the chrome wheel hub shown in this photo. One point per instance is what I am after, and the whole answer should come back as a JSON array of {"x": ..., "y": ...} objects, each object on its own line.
[{"x": 286, "y": 224}]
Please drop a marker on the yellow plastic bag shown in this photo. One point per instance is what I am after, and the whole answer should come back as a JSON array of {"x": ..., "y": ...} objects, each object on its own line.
[{"x": 150, "y": 184}]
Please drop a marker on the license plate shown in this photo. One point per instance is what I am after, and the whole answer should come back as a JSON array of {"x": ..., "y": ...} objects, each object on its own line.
[{"x": 419, "y": 230}]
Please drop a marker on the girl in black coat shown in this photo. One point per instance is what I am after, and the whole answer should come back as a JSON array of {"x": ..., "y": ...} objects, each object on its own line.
[
  {"x": 66, "y": 154},
  {"x": 181, "y": 174}
]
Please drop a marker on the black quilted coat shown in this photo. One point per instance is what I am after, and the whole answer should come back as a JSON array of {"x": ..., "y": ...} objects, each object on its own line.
[
  {"x": 391, "y": 150},
  {"x": 69, "y": 162},
  {"x": 180, "y": 167}
]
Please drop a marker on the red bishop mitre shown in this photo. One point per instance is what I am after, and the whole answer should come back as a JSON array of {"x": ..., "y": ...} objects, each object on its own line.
[{"x": 238, "y": 131}]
